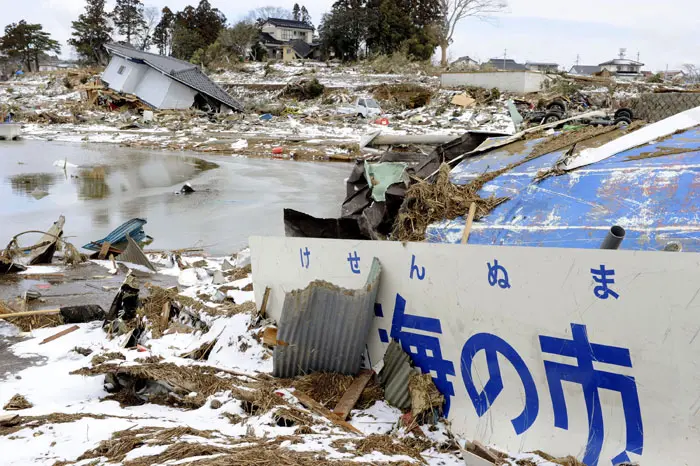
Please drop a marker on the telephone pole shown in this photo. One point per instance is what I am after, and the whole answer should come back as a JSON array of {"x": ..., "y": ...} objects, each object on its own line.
[{"x": 505, "y": 54}]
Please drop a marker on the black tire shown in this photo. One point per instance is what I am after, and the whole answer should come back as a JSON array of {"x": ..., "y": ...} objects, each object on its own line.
[
  {"x": 557, "y": 106},
  {"x": 624, "y": 113},
  {"x": 551, "y": 117},
  {"x": 619, "y": 121}
]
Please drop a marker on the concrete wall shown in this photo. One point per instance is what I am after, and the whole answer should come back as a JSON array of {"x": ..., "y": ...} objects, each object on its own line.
[
  {"x": 128, "y": 80},
  {"x": 516, "y": 81},
  {"x": 655, "y": 107},
  {"x": 178, "y": 96},
  {"x": 524, "y": 342}
]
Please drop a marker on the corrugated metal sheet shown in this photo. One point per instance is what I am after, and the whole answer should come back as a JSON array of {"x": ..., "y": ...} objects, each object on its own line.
[
  {"x": 325, "y": 327},
  {"x": 394, "y": 376},
  {"x": 134, "y": 255},
  {"x": 652, "y": 191},
  {"x": 133, "y": 228}
]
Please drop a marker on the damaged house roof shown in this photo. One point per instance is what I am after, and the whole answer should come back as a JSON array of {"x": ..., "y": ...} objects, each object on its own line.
[
  {"x": 651, "y": 191},
  {"x": 289, "y": 23},
  {"x": 186, "y": 73},
  {"x": 585, "y": 70}
]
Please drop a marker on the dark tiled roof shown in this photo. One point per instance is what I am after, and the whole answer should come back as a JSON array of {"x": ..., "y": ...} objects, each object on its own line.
[
  {"x": 301, "y": 48},
  {"x": 289, "y": 23},
  {"x": 186, "y": 73},
  {"x": 585, "y": 70},
  {"x": 266, "y": 38},
  {"x": 536, "y": 63},
  {"x": 506, "y": 65}
]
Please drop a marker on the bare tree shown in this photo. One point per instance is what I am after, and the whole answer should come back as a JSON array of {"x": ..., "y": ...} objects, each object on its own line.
[
  {"x": 692, "y": 73},
  {"x": 454, "y": 11},
  {"x": 151, "y": 16},
  {"x": 260, "y": 15}
]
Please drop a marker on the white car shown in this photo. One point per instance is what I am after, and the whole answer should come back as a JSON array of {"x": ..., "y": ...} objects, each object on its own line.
[{"x": 363, "y": 107}]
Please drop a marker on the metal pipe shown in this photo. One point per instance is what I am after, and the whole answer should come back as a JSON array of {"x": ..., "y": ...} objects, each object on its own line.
[{"x": 615, "y": 236}]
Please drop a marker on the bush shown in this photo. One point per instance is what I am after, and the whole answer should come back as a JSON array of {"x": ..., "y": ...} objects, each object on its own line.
[
  {"x": 67, "y": 83},
  {"x": 657, "y": 78},
  {"x": 304, "y": 90},
  {"x": 403, "y": 96},
  {"x": 84, "y": 79},
  {"x": 399, "y": 63}
]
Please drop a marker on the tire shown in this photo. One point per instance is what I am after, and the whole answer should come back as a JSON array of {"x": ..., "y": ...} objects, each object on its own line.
[
  {"x": 551, "y": 117},
  {"x": 557, "y": 106},
  {"x": 624, "y": 113},
  {"x": 620, "y": 121}
]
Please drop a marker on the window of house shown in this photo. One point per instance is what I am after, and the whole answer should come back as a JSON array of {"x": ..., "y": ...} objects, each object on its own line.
[
  {"x": 121, "y": 69},
  {"x": 286, "y": 34}
]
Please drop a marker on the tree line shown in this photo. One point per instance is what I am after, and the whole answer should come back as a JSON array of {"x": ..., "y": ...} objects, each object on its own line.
[{"x": 351, "y": 30}]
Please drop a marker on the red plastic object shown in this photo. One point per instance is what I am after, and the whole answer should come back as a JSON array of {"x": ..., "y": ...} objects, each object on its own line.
[
  {"x": 382, "y": 121},
  {"x": 277, "y": 150}
]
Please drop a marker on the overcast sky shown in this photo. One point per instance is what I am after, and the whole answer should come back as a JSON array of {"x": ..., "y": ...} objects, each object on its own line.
[{"x": 663, "y": 33}]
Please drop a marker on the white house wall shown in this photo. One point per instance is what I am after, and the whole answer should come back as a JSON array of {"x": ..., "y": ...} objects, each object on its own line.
[
  {"x": 178, "y": 96},
  {"x": 128, "y": 80},
  {"x": 515, "y": 81}
]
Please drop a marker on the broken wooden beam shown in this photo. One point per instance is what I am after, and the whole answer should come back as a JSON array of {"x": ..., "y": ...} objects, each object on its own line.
[
  {"x": 104, "y": 250},
  {"x": 270, "y": 336},
  {"x": 321, "y": 410},
  {"x": 352, "y": 394},
  {"x": 468, "y": 225},
  {"x": 263, "y": 306},
  {"x": 59, "y": 334}
]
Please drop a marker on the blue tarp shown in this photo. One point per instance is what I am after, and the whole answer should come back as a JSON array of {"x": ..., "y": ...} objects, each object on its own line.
[{"x": 656, "y": 199}]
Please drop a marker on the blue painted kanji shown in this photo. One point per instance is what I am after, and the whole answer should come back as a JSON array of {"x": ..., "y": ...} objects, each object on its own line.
[
  {"x": 604, "y": 277},
  {"x": 591, "y": 380},
  {"x": 424, "y": 349},
  {"x": 482, "y": 401}
]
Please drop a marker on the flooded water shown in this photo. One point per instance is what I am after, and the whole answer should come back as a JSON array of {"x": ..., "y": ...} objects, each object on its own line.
[{"x": 103, "y": 185}]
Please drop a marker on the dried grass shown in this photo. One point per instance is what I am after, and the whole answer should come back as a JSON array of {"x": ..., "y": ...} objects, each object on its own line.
[
  {"x": 328, "y": 387},
  {"x": 564, "y": 461},
  {"x": 104, "y": 357},
  {"x": 425, "y": 397},
  {"x": 29, "y": 323},
  {"x": 231, "y": 309},
  {"x": 37, "y": 421},
  {"x": 239, "y": 273},
  {"x": 17, "y": 402},
  {"x": 202, "y": 352},
  {"x": 380, "y": 443},
  {"x": 426, "y": 203}
]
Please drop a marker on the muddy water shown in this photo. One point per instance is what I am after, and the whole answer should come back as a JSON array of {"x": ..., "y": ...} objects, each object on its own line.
[{"x": 102, "y": 186}]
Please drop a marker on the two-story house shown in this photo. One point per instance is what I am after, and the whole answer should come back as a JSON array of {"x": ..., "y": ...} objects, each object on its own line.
[
  {"x": 623, "y": 68},
  {"x": 287, "y": 39}
]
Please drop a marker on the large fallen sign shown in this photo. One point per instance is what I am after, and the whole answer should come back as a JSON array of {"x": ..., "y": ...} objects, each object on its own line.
[{"x": 584, "y": 352}]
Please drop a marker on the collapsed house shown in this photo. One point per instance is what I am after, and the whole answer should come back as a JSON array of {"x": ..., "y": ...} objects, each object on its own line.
[{"x": 164, "y": 82}]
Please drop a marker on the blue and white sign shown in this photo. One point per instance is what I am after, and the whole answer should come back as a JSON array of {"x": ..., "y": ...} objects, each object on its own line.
[{"x": 591, "y": 353}]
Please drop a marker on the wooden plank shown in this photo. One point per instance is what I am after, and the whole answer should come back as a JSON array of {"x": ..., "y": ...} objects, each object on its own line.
[
  {"x": 263, "y": 307},
  {"x": 468, "y": 226},
  {"x": 60, "y": 334},
  {"x": 31, "y": 313},
  {"x": 104, "y": 250},
  {"x": 270, "y": 336},
  {"x": 165, "y": 315},
  {"x": 321, "y": 410},
  {"x": 352, "y": 394}
]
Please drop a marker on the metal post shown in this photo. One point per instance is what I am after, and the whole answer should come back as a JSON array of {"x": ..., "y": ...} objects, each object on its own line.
[{"x": 614, "y": 238}]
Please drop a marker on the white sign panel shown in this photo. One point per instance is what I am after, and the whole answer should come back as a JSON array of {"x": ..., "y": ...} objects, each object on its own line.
[{"x": 591, "y": 353}]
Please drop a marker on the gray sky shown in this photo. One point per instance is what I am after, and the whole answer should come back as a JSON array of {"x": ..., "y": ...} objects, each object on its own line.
[{"x": 664, "y": 33}]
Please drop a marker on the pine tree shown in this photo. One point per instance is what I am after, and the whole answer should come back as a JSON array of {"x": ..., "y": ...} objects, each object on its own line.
[
  {"x": 91, "y": 32},
  {"x": 163, "y": 33},
  {"x": 27, "y": 42},
  {"x": 208, "y": 22},
  {"x": 128, "y": 18},
  {"x": 296, "y": 13},
  {"x": 305, "y": 16}
]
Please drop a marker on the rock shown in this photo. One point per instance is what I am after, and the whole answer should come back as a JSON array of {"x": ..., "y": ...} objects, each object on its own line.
[{"x": 215, "y": 404}]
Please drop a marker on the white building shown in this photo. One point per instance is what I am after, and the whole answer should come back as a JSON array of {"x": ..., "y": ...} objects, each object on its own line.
[
  {"x": 623, "y": 67},
  {"x": 163, "y": 82},
  {"x": 542, "y": 67}
]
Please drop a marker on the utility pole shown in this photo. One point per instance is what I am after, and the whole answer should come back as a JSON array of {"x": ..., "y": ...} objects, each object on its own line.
[
  {"x": 505, "y": 54},
  {"x": 637, "y": 56},
  {"x": 578, "y": 59}
]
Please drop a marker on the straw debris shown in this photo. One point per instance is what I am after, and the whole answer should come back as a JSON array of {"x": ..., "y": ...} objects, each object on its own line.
[
  {"x": 564, "y": 461},
  {"x": 104, "y": 357},
  {"x": 328, "y": 387},
  {"x": 37, "y": 421},
  {"x": 29, "y": 323},
  {"x": 426, "y": 203},
  {"x": 17, "y": 402},
  {"x": 380, "y": 443}
]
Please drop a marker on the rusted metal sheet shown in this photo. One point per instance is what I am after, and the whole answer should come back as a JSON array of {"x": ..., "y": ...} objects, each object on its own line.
[
  {"x": 651, "y": 191},
  {"x": 325, "y": 328},
  {"x": 394, "y": 376}
]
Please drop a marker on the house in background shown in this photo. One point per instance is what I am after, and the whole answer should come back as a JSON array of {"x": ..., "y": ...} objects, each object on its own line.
[
  {"x": 288, "y": 40},
  {"x": 542, "y": 67},
  {"x": 465, "y": 63},
  {"x": 163, "y": 82},
  {"x": 623, "y": 68},
  {"x": 585, "y": 70},
  {"x": 506, "y": 64}
]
